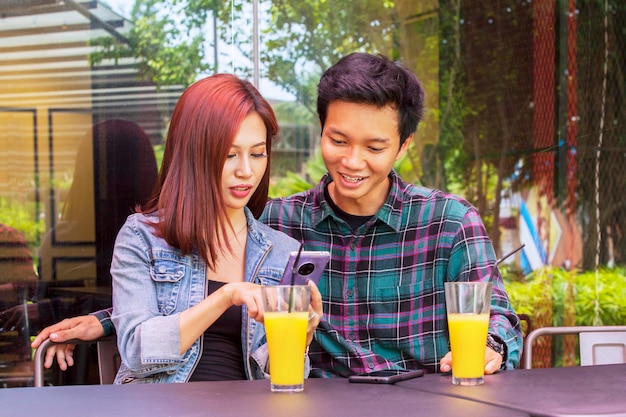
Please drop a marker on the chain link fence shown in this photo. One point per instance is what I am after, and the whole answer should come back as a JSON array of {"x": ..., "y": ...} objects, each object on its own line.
[{"x": 539, "y": 104}]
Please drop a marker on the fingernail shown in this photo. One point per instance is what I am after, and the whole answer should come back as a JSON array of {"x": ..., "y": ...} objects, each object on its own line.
[
  {"x": 54, "y": 336},
  {"x": 445, "y": 367}
]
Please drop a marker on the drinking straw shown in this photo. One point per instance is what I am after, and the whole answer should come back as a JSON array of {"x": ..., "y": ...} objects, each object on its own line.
[
  {"x": 499, "y": 261},
  {"x": 294, "y": 268}
]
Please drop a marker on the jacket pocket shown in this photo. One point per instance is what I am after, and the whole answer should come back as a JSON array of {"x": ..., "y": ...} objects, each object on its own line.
[
  {"x": 269, "y": 276},
  {"x": 167, "y": 275}
]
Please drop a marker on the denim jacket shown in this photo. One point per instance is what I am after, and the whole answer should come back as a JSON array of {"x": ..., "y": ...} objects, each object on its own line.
[{"x": 153, "y": 283}]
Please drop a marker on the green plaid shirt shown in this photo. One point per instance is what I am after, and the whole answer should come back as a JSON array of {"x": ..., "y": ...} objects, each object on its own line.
[{"x": 383, "y": 292}]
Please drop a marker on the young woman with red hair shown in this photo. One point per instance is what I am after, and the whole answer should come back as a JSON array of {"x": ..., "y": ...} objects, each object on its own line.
[{"x": 188, "y": 267}]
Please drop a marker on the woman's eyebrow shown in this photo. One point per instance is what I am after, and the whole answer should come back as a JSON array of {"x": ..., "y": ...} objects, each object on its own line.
[{"x": 256, "y": 145}]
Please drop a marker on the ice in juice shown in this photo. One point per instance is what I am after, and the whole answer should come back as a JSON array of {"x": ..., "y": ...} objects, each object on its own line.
[
  {"x": 468, "y": 340},
  {"x": 286, "y": 338}
]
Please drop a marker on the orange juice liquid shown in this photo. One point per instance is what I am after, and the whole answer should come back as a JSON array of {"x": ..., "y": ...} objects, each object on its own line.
[
  {"x": 468, "y": 340},
  {"x": 286, "y": 339}
]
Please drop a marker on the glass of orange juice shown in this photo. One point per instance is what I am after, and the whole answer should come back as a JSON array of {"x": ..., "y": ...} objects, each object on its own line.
[
  {"x": 467, "y": 306},
  {"x": 286, "y": 319}
]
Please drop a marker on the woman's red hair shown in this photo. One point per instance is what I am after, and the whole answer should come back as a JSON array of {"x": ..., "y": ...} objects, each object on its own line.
[{"x": 188, "y": 196}]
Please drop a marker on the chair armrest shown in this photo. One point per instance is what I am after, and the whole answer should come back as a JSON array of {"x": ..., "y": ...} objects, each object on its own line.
[
  {"x": 561, "y": 330},
  {"x": 40, "y": 355}
]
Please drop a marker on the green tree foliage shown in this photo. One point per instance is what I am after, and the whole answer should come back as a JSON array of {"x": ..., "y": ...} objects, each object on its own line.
[
  {"x": 168, "y": 52},
  {"x": 303, "y": 38},
  {"x": 306, "y": 37},
  {"x": 446, "y": 159}
]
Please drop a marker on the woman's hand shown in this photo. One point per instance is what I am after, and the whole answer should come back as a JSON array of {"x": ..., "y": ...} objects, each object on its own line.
[
  {"x": 240, "y": 293},
  {"x": 195, "y": 320},
  {"x": 247, "y": 293}
]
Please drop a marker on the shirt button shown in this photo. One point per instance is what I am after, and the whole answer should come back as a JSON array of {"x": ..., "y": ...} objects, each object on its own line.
[
  {"x": 162, "y": 269},
  {"x": 352, "y": 246},
  {"x": 349, "y": 293},
  {"x": 370, "y": 365}
]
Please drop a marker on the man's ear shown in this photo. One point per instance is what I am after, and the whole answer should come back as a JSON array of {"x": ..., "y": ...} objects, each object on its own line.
[{"x": 405, "y": 146}]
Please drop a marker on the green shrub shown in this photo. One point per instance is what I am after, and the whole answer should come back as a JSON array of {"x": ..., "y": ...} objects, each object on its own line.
[
  {"x": 601, "y": 297},
  {"x": 554, "y": 297}
]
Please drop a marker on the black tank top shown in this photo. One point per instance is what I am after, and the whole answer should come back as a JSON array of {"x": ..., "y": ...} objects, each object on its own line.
[{"x": 222, "y": 358}]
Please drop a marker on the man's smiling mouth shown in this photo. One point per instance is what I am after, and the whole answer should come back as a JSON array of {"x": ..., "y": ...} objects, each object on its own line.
[{"x": 351, "y": 179}]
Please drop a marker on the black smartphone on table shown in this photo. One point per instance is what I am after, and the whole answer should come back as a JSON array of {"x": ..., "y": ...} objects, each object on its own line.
[
  {"x": 387, "y": 376},
  {"x": 311, "y": 265}
]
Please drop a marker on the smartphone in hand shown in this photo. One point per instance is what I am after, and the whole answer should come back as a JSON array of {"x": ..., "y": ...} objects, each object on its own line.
[
  {"x": 311, "y": 265},
  {"x": 388, "y": 376}
]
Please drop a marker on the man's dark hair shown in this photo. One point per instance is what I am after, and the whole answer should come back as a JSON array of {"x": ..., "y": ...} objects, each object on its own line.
[{"x": 373, "y": 79}]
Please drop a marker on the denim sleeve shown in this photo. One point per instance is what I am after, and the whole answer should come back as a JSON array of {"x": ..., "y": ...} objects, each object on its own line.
[{"x": 148, "y": 340}]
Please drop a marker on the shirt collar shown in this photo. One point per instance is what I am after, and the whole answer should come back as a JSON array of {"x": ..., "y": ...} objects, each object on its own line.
[{"x": 321, "y": 208}]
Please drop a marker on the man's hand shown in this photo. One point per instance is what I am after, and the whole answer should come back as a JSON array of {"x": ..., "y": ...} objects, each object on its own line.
[
  {"x": 315, "y": 312},
  {"x": 493, "y": 361},
  {"x": 82, "y": 327}
]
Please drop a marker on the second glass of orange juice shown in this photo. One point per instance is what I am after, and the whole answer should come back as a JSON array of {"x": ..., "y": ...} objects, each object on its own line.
[{"x": 467, "y": 306}]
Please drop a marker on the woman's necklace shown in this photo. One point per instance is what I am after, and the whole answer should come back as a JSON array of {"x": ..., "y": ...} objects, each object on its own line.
[
  {"x": 236, "y": 235},
  {"x": 232, "y": 256},
  {"x": 244, "y": 227}
]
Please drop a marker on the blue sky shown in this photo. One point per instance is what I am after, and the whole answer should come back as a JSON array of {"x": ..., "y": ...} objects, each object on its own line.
[{"x": 120, "y": 6}]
